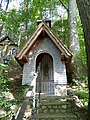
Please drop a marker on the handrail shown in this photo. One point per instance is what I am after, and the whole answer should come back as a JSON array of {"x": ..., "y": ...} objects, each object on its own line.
[
  {"x": 32, "y": 90},
  {"x": 20, "y": 113},
  {"x": 34, "y": 95}
]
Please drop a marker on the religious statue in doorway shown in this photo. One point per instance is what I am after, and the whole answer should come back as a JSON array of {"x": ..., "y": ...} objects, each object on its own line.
[{"x": 46, "y": 72}]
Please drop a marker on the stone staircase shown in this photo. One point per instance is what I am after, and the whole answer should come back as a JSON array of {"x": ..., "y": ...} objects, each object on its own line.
[{"x": 55, "y": 108}]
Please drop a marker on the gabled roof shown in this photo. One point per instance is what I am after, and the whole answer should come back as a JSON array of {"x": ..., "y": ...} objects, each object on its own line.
[
  {"x": 3, "y": 38},
  {"x": 21, "y": 56},
  {"x": 7, "y": 39}
]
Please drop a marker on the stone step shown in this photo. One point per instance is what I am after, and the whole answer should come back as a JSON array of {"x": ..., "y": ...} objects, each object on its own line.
[
  {"x": 53, "y": 98},
  {"x": 55, "y": 103},
  {"x": 65, "y": 116},
  {"x": 59, "y": 107},
  {"x": 50, "y": 99}
]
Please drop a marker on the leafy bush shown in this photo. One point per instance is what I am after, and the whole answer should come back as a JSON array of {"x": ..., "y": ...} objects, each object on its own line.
[
  {"x": 81, "y": 90},
  {"x": 82, "y": 94},
  {"x": 8, "y": 102},
  {"x": 13, "y": 62},
  {"x": 20, "y": 92},
  {"x": 6, "y": 98}
]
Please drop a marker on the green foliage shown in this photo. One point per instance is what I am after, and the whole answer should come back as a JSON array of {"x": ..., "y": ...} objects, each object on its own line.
[
  {"x": 2, "y": 68},
  {"x": 82, "y": 94},
  {"x": 3, "y": 83},
  {"x": 60, "y": 27},
  {"x": 13, "y": 62},
  {"x": 5, "y": 101},
  {"x": 82, "y": 43},
  {"x": 23, "y": 21},
  {"x": 20, "y": 93},
  {"x": 81, "y": 91}
]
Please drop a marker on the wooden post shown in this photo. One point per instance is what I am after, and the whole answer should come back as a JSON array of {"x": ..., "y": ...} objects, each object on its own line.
[{"x": 34, "y": 95}]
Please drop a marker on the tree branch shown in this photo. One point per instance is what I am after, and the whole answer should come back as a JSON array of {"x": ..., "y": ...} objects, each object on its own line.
[
  {"x": 7, "y": 4},
  {"x": 63, "y": 5},
  {"x": 1, "y": 1},
  {"x": 1, "y": 4}
]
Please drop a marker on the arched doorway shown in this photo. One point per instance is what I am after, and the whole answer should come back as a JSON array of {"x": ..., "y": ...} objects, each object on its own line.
[{"x": 44, "y": 68}]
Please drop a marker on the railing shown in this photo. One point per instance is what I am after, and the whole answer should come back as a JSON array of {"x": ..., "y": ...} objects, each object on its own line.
[
  {"x": 47, "y": 86},
  {"x": 31, "y": 91},
  {"x": 34, "y": 95}
]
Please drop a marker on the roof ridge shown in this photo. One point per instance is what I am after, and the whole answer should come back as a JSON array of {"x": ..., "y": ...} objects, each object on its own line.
[{"x": 30, "y": 41}]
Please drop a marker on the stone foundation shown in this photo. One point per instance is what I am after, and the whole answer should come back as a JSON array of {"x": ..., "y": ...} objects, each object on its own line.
[{"x": 60, "y": 90}]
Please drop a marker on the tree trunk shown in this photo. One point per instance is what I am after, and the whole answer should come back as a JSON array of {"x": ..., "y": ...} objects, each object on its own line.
[
  {"x": 73, "y": 31},
  {"x": 63, "y": 5},
  {"x": 26, "y": 21},
  {"x": 1, "y": 28},
  {"x": 84, "y": 11},
  {"x": 73, "y": 69},
  {"x": 1, "y": 1}
]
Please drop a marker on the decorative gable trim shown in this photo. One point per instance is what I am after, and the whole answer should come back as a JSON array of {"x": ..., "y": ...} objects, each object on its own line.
[{"x": 30, "y": 42}]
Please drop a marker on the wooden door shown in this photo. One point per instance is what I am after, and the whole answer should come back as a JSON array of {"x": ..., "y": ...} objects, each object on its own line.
[{"x": 45, "y": 79}]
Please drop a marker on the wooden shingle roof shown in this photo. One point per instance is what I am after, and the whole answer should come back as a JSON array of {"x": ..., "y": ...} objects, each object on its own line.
[
  {"x": 21, "y": 56},
  {"x": 7, "y": 39}
]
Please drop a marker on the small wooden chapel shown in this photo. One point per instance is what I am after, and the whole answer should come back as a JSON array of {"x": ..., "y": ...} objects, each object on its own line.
[{"x": 44, "y": 53}]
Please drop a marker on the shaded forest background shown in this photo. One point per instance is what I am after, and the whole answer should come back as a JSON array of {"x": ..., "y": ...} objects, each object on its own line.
[{"x": 19, "y": 23}]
